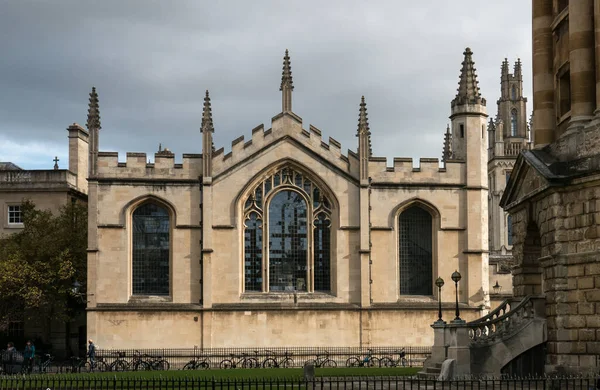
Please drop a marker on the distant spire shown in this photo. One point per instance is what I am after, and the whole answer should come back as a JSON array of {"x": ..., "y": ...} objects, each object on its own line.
[
  {"x": 491, "y": 125},
  {"x": 159, "y": 147},
  {"x": 468, "y": 88},
  {"x": 93, "y": 121},
  {"x": 447, "y": 151},
  {"x": 287, "y": 84},
  {"x": 518, "y": 72},
  {"x": 363, "y": 125},
  {"x": 207, "y": 122},
  {"x": 505, "y": 68}
]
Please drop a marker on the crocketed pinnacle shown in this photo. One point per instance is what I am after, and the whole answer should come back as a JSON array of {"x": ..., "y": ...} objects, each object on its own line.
[
  {"x": 468, "y": 86},
  {"x": 505, "y": 68},
  {"x": 447, "y": 151},
  {"x": 207, "y": 122},
  {"x": 286, "y": 75},
  {"x": 363, "y": 124},
  {"x": 518, "y": 72},
  {"x": 93, "y": 120}
]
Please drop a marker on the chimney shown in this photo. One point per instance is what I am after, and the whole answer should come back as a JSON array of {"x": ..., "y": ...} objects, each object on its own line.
[{"x": 78, "y": 155}]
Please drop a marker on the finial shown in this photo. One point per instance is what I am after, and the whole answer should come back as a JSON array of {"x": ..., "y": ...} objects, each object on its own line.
[
  {"x": 518, "y": 69},
  {"x": 468, "y": 86},
  {"x": 363, "y": 123},
  {"x": 93, "y": 121},
  {"x": 207, "y": 122},
  {"x": 56, "y": 160},
  {"x": 286, "y": 75},
  {"x": 160, "y": 147},
  {"x": 447, "y": 150}
]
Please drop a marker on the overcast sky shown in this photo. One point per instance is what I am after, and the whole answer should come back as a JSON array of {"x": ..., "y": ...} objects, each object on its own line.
[{"x": 151, "y": 62}]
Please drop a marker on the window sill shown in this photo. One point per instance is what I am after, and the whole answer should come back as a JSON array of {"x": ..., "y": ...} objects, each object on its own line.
[
  {"x": 284, "y": 296},
  {"x": 150, "y": 299},
  {"x": 416, "y": 298},
  {"x": 14, "y": 226}
]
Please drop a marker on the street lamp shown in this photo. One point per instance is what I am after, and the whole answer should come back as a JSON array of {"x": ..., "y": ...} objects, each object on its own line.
[
  {"x": 439, "y": 282},
  {"x": 497, "y": 288},
  {"x": 456, "y": 278}
]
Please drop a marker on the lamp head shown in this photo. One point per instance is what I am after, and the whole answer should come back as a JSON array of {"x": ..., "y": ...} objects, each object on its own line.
[
  {"x": 439, "y": 282},
  {"x": 456, "y": 276}
]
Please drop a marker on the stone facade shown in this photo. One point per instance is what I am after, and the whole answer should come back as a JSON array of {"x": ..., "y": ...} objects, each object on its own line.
[
  {"x": 213, "y": 296},
  {"x": 554, "y": 191}
]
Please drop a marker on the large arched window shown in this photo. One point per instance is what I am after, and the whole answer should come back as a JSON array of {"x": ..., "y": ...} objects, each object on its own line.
[
  {"x": 151, "y": 250},
  {"x": 294, "y": 215},
  {"x": 416, "y": 243},
  {"x": 513, "y": 123}
]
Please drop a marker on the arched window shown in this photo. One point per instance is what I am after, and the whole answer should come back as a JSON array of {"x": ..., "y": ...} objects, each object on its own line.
[
  {"x": 415, "y": 230},
  {"x": 513, "y": 123},
  {"x": 151, "y": 250},
  {"x": 296, "y": 217},
  {"x": 513, "y": 93}
]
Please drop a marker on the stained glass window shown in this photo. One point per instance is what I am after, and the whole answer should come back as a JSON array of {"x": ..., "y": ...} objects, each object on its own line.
[
  {"x": 299, "y": 230},
  {"x": 415, "y": 229},
  {"x": 151, "y": 247}
]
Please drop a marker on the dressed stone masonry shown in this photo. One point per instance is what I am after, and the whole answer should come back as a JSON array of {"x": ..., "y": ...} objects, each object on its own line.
[{"x": 286, "y": 240}]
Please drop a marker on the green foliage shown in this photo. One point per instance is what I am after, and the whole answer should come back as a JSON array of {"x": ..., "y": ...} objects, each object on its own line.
[{"x": 39, "y": 264}]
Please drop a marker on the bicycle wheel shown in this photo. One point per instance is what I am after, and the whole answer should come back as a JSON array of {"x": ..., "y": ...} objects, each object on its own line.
[
  {"x": 190, "y": 366},
  {"x": 287, "y": 363},
  {"x": 118, "y": 366},
  {"x": 329, "y": 363},
  {"x": 204, "y": 365},
  {"x": 403, "y": 362},
  {"x": 141, "y": 366},
  {"x": 247, "y": 363},
  {"x": 270, "y": 363},
  {"x": 352, "y": 362},
  {"x": 66, "y": 368},
  {"x": 225, "y": 364},
  {"x": 386, "y": 362},
  {"x": 372, "y": 362},
  {"x": 162, "y": 365}
]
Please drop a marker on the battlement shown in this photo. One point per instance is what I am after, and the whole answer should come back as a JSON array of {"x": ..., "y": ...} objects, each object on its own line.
[
  {"x": 429, "y": 171},
  {"x": 138, "y": 167},
  {"x": 285, "y": 126}
]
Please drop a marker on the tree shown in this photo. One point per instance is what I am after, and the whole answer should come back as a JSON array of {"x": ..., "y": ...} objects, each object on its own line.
[{"x": 39, "y": 265}]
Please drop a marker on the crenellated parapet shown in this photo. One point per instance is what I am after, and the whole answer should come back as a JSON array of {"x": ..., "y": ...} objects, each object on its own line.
[
  {"x": 285, "y": 127},
  {"x": 137, "y": 166},
  {"x": 429, "y": 171}
]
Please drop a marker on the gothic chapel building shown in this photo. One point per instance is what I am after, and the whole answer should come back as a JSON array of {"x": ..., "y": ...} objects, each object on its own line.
[{"x": 286, "y": 240}]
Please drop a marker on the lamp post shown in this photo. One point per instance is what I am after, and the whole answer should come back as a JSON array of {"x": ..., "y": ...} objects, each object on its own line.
[
  {"x": 497, "y": 288},
  {"x": 456, "y": 278},
  {"x": 439, "y": 282}
]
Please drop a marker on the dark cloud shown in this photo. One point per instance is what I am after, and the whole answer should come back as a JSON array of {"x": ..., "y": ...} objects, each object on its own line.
[{"x": 152, "y": 60}]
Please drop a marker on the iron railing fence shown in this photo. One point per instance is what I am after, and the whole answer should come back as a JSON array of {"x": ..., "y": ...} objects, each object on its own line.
[
  {"x": 179, "y": 357},
  {"x": 374, "y": 383}
]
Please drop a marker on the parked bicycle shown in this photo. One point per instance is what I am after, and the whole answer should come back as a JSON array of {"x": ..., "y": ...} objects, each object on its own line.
[
  {"x": 148, "y": 362},
  {"x": 197, "y": 363},
  {"x": 322, "y": 360},
  {"x": 390, "y": 361},
  {"x": 272, "y": 362},
  {"x": 45, "y": 364},
  {"x": 239, "y": 361},
  {"x": 120, "y": 364},
  {"x": 74, "y": 365},
  {"x": 367, "y": 361}
]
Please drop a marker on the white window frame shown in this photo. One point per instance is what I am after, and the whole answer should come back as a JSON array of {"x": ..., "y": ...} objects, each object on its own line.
[{"x": 9, "y": 214}]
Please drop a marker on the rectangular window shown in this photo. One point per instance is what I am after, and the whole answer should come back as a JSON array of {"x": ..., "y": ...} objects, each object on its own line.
[
  {"x": 462, "y": 130},
  {"x": 14, "y": 215},
  {"x": 509, "y": 230},
  {"x": 564, "y": 93}
]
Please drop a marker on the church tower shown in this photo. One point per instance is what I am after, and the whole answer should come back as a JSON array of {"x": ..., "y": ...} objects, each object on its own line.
[
  {"x": 508, "y": 135},
  {"x": 469, "y": 144}
]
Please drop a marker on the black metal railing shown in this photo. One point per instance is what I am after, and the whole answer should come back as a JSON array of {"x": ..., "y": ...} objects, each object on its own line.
[
  {"x": 57, "y": 383},
  {"x": 178, "y": 358}
]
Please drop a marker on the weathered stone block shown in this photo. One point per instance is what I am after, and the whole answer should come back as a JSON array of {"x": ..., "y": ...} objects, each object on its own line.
[
  {"x": 592, "y": 269},
  {"x": 570, "y": 347},
  {"x": 593, "y": 321},
  {"x": 586, "y": 308},
  {"x": 585, "y": 283},
  {"x": 587, "y": 335},
  {"x": 567, "y": 335},
  {"x": 574, "y": 321},
  {"x": 593, "y": 295},
  {"x": 593, "y": 347}
]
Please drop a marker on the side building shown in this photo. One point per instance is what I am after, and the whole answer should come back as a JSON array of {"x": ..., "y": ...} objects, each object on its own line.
[
  {"x": 48, "y": 190},
  {"x": 553, "y": 194},
  {"x": 509, "y": 134}
]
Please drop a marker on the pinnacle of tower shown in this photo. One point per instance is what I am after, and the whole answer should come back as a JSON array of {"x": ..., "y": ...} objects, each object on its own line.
[
  {"x": 286, "y": 75},
  {"x": 505, "y": 68},
  {"x": 518, "y": 72},
  {"x": 468, "y": 86},
  {"x": 207, "y": 122},
  {"x": 447, "y": 151},
  {"x": 93, "y": 120},
  {"x": 491, "y": 125},
  {"x": 363, "y": 123}
]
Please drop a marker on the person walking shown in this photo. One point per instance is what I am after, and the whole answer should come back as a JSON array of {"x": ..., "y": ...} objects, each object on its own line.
[
  {"x": 92, "y": 354},
  {"x": 28, "y": 356},
  {"x": 8, "y": 358}
]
